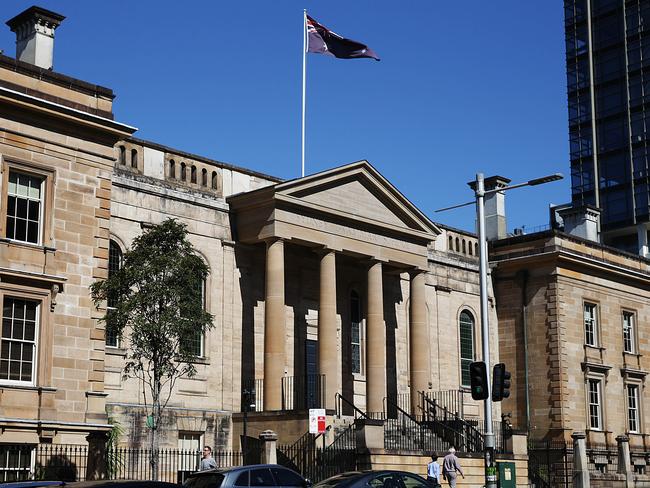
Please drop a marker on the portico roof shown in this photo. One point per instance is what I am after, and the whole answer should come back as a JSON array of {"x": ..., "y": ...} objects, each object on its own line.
[{"x": 352, "y": 209}]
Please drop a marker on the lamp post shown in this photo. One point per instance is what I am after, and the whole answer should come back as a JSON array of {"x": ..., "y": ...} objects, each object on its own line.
[{"x": 479, "y": 194}]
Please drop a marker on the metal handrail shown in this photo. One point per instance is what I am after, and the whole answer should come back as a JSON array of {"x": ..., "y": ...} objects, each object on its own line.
[
  {"x": 467, "y": 427},
  {"x": 338, "y": 398},
  {"x": 387, "y": 401}
]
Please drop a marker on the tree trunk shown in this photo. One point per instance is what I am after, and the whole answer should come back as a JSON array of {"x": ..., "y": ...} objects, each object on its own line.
[{"x": 155, "y": 440}]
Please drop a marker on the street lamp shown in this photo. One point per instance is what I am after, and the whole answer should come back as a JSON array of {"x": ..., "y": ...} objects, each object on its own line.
[{"x": 479, "y": 193}]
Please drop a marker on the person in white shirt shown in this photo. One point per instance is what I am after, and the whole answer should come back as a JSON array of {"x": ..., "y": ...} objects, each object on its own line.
[{"x": 433, "y": 471}]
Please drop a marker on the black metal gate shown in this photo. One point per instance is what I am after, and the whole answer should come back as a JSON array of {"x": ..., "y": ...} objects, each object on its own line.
[
  {"x": 315, "y": 463},
  {"x": 550, "y": 464}
]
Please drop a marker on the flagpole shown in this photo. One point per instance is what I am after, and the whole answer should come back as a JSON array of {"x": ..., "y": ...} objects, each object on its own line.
[{"x": 304, "y": 83}]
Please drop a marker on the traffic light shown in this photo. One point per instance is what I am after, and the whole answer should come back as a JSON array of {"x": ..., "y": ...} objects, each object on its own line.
[
  {"x": 500, "y": 382},
  {"x": 478, "y": 380}
]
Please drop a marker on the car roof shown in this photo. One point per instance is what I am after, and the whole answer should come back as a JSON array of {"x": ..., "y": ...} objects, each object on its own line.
[{"x": 234, "y": 469}]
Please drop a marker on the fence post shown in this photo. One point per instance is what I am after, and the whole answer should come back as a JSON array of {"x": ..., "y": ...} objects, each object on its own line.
[
  {"x": 624, "y": 464},
  {"x": 580, "y": 464},
  {"x": 269, "y": 445},
  {"x": 96, "y": 468}
]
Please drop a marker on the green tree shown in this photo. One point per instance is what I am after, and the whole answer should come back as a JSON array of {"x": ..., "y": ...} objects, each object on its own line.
[{"x": 157, "y": 300}]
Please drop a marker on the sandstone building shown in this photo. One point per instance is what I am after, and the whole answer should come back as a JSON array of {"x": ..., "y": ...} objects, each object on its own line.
[{"x": 329, "y": 284}]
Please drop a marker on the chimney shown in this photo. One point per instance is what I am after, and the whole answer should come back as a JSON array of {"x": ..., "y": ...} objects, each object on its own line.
[
  {"x": 34, "y": 30},
  {"x": 582, "y": 221},
  {"x": 495, "y": 207}
]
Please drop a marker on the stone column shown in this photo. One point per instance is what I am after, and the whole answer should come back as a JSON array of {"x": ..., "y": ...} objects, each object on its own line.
[
  {"x": 96, "y": 467},
  {"x": 375, "y": 341},
  {"x": 419, "y": 337},
  {"x": 580, "y": 463},
  {"x": 274, "y": 326},
  {"x": 327, "y": 333},
  {"x": 624, "y": 463},
  {"x": 269, "y": 447}
]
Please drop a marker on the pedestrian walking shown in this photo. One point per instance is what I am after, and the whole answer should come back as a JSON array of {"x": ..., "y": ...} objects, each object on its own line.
[
  {"x": 433, "y": 472},
  {"x": 451, "y": 466},
  {"x": 208, "y": 461}
]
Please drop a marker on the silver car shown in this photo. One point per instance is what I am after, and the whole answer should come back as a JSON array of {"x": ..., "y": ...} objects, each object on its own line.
[{"x": 247, "y": 476}]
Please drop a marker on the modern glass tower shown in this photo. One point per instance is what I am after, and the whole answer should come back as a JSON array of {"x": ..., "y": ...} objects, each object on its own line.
[{"x": 608, "y": 84}]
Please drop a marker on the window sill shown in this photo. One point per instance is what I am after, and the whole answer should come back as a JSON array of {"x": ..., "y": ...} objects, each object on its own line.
[
  {"x": 594, "y": 348},
  {"x": 201, "y": 360},
  {"x": 28, "y": 245},
  {"x": 18, "y": 386},
  {"x": 115, "y": 351}
]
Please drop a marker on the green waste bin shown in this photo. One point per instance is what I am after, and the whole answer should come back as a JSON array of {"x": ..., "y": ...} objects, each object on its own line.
[{"x": 507, "y": 475}]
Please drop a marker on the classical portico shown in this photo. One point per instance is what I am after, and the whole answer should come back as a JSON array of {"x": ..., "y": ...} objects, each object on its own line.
[{"x": 352, "y": 213}]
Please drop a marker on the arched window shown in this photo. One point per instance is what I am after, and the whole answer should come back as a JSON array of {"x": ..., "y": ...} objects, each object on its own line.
[
  {"x": 457, "y": 244},
  {"x": 451, "y": 244},
  {"x": 172, "y": 169},
  {"x": 476, "y": 249},
  {"x": 196, "y": 344},
  {"x": 215, "y": 181},
  {"x": 470, "y": 248},
  {"x": 466, "y": 334},
  {"x": 122, "y": 159},
  {"x": 464, "y": 247},
  {"x": 134, "y": 158},
  {"x": 193, "y": 174},
  {"x": 183, "y": 172},
  {"x": 355, "y": 332},
  {"x": 114, "y": 264},
  {"x": 204, "y": 177}
]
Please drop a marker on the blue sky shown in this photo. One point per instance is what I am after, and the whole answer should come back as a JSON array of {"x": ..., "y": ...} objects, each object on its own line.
[{"x": 462, "y": 87}]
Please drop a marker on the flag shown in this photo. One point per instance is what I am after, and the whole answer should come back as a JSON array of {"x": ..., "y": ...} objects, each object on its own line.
[{"x": 321, "y": 40}]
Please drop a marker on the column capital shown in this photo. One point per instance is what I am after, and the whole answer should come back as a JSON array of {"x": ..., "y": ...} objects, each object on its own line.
[
  {"x": 413, "y": 272},
  {"x": 324, "y": 250},
  {"x": 272, "y": 240}
]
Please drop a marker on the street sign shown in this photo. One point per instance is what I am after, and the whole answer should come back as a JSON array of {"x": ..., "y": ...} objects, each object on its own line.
[{"x": 316, "y": 420}]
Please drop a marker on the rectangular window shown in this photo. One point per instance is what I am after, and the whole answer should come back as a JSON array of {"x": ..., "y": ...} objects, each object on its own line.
[
  {"x": 15, "y": 462},
  {"x": 24, "y": 207},
  {"x": 628, "y": 332},
  {"x": 633, "y": 408},
  {"x": 591, "y": 324},
  {"x": 18, "y": 342},
  {"x": 189, "y": 447},
  {"x": 595, "y": 404}
]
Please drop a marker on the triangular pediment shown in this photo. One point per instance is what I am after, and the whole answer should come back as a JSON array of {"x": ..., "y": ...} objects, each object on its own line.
[{"x": 360, "y": 192}]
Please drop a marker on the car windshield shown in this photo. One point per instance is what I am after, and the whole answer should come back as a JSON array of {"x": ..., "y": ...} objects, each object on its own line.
[
  {"x": 212, "y": 480},
  {"x": 336, "y": 480}
]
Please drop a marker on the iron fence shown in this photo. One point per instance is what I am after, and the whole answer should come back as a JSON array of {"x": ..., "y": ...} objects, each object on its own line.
[
  {"x": 303, "y": 392},
  {"x": 450, "y": 400},
  {"x": 65, "y": 462},
  {"x": 550, "y": 464}
]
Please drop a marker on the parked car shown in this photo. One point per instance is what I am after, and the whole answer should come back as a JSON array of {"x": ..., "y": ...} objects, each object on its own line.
[
  {"x": 244, "y": 476},
  {"x": 374, "y": 479}
]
